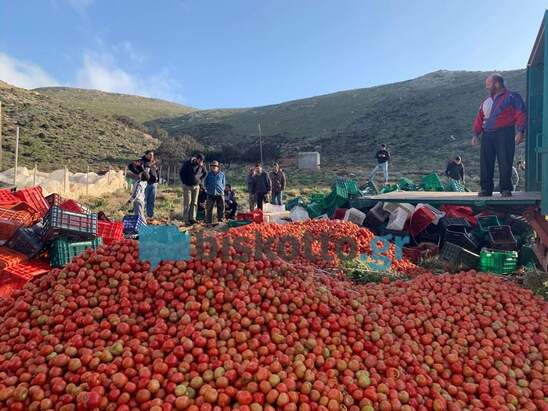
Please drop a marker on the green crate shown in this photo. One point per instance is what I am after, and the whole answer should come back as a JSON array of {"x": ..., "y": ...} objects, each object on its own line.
[
  {"x": 482, "y": 228},
  {"x": 390, "y": 188},
  {"x": 431, "y": 182},
  {"x": 407, "y": 185},
  {"x": 499, "y": 262},
  {"x": 314, "y": 210},
  {"x": 237, "y": 223},
  {"x": 361, "y": 203},
  {"x": 334, "y": 200},
  {"x": 454, "y": 186},
  {"x": 62, "y": 251},
  {"x": 294, "y": 202},
  {"x": 316, "y": 197}
]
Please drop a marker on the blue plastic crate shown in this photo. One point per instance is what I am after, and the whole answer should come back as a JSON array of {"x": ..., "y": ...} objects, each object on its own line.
[{"x": 132, "y": 224}]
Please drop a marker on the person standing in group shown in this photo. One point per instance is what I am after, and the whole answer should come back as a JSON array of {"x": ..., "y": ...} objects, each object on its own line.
[
  {"x": 261, "y": 185},
  {"x": 277, "y": 178},
  {"x": 230, "y": 202},
  {"x": 455, "y": 169},
  {"x": 192, "y": 176},
  {"x": 383, "y": 157},
  {"x": 252, "y": 199},
  {"x": 138, "y": 195},
  {"x": 499, "y": 126},
  {"x": 150, "y": 165},
  {"x": 214, "y": 184}
]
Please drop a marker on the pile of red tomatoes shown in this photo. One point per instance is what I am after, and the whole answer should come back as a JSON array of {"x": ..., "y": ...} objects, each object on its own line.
[{"x": 109, "y": 333}]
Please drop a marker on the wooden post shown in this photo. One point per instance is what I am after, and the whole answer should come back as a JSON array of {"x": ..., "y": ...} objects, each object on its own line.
[
  {"x": 0, "y": 136},
  {"x": 16, "y": 155},
  {"x": 168, "y": 172},
  {"x": 87, "y": 181},
  {"x": 34, "y": 174},
  {"x": 108, "y": 175},
  {"x": 65, "y": 180}
]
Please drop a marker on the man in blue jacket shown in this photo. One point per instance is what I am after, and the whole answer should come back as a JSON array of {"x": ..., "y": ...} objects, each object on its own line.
[{"x": 214, "y": 185}]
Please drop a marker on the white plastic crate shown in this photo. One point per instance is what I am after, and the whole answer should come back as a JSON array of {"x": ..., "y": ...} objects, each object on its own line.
[{"x": 354, "y": 216}]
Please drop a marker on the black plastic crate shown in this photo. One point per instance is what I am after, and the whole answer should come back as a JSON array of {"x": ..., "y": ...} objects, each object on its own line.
[
  {"x": 376, "y": 216},
  {"x": 78, "y": 226},
  {"x": 458, "y": 257},
  {"x": 446, "y": 222},
  {"x": 432, "y": 234},
  {"x": 27, "y": 241},
  {"x": 501, "y": 238},
  {"x": 460, "y": 236}
]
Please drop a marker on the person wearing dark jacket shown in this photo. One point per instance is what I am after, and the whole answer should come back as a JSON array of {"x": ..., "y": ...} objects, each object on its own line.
[
  {"x": 383, "y": 157},
  {"x": 252, "y": 199},
  {"x": 261, "y": 185},
  {"x": 277, "y": 178},
  {"x": 455, "y": 169},
  {"x": 231, "y": 206},
  {"x": 151, "y": 167},
  {"x": 192, "y": 176},
  {"x": 148, "y": 164}
]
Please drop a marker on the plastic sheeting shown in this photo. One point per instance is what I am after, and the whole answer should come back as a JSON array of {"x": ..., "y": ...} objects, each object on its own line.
[{"x": 67, "y": 184}]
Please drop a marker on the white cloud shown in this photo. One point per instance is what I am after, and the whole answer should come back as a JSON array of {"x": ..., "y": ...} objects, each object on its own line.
[
  {"x": 102, "y": 71},
  {"x": 114, "y": 69},
  {"x": 23, "y": 74}
]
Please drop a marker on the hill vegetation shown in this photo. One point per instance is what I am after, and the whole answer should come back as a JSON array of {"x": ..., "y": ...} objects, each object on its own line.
[
  {"x": 102, "y": 103},
  {"x": 425, "y": 121},
  {"x": 53, "y": 134}
]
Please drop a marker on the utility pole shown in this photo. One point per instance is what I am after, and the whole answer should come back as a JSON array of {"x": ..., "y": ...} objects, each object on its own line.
[
  {"x": 261, "y": 142},
  {"x": 16, "y": 155}
]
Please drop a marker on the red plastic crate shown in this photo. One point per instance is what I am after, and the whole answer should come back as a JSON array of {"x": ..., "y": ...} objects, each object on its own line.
[
  {"x": 11, "y": 220},
  {"x": 10, "y": 258},
  {"x": 26, "y": 271},
  {"x": 255, "y": 216},
  {"x": 71, "y": 205},
  {"x": 339, "y": 213},
  {"x": 7, "y": 197},
  {"x": 110, "y": 231},
  {"x": 34, "y": 197}
]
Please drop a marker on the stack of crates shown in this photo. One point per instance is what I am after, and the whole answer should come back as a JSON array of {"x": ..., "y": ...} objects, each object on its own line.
[
  {"x": 33, "y": 197},
  {"x": 62, "y": 251},
  {"x": 497, "y": 261}
]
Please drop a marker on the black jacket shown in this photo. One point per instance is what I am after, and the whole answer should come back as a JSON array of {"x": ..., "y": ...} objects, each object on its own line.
[
  {"x": 192, "y": 174},
  {"x": 382, "y": 156},
  {"x": 152, "y": 170},
  {"x": 277, "y": 181},
  {"x": 137, "y": 167},
  {"x": 261, "y": 183},
  {"x": 455, "y": 171}
]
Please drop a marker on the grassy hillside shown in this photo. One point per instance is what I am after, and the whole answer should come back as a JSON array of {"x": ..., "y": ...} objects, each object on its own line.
[
  {"x": 424, "y": 121},
  {"x": 53, "y": 134},
  {"x": 112, "y": 104}
]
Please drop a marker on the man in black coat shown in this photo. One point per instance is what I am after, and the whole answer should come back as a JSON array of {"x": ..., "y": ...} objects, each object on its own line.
[
  {"x": 148, "y": 164},
  {"x": 261, "y": 185},
  {"x": 192, "y": 176}
]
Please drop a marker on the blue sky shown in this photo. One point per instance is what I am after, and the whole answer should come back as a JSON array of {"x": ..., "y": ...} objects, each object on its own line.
[{"x": 235, "y": 53}]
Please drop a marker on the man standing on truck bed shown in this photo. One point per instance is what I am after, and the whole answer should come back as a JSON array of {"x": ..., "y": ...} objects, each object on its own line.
[
  {"x": 501, "y": 123},
  {"x": 383, "y": 157}
]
